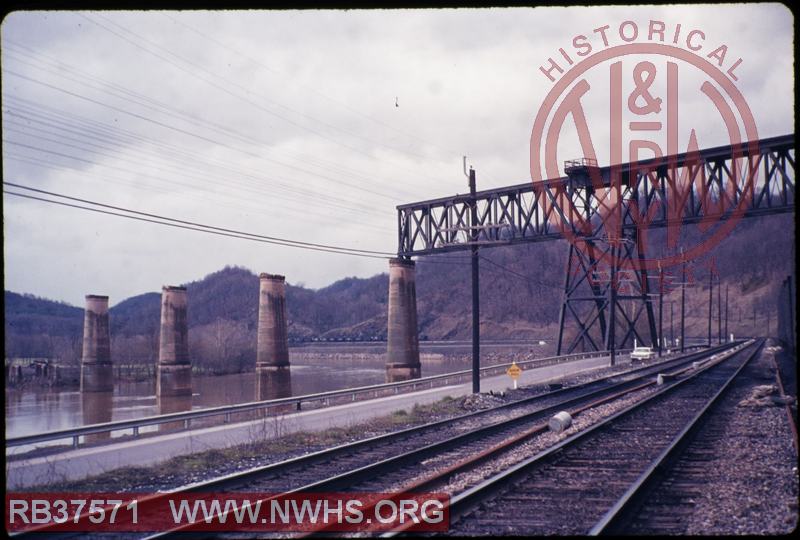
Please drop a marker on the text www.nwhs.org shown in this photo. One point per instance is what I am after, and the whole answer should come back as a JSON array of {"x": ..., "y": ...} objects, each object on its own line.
[{"x": 232, "y": 512}]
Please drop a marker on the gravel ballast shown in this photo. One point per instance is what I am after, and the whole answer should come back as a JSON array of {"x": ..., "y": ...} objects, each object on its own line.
[
  {"x": 739, "y": 474},
  {"x": 751, "y": 484}
]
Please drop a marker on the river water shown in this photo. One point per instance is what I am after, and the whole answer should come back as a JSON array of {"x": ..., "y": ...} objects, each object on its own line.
[{"x": 314, "y": 368}]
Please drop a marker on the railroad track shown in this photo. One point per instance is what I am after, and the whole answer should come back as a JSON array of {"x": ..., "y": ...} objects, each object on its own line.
[
  {"x": 585, "y": 483},
  {"x": 434, "y": 468},
  {"x": 422, "y": 470},
  {"x": 348, "y": 466},
  {"x": 663, "y": 500},
  {"x": 669, "y": 510}
]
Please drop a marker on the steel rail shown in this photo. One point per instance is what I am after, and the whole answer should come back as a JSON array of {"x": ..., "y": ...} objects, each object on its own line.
[
  {"x": 324, "y": 397},
  {"x": 786, "y": 406},
  {"x": 226, "y": 482},
  {"x": 238, "y": 479},
  {"x": 614, "y": 520},
  {"x": 428, "y": 482},
  {"x": 472, "y": 497},
  {"x": 348, "y": 478}
]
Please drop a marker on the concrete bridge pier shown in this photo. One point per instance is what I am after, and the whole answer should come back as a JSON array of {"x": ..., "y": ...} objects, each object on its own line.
[
  {"x": 273, "y": 375},
  {"x": 174, "y": 374},
  {"x": 96, "y": 369},
  {"x": 96, "y": 408},
  {"x": 173, "y": 404},
  {"x": 402, "y": 358}
]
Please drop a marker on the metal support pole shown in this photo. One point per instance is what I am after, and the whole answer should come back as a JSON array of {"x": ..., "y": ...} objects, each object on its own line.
[
  {"x": 671, "y": 323},
  {"x": 726, "y": 314},
  {"x": 612, "y": 306},
  {"x": 476, "y": 317},
  {"x": 562, "y": 312},
  {"x": 719, "y": 308},
  {"x": 660, "y": 310},
  {"x": 710, "y": 303},
  {"x": 683, "y": 307},
  {"x": 792, "y": 316}
]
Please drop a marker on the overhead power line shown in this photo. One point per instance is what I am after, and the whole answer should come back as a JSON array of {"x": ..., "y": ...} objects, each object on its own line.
[
  {"x": 195, "y": 69},
  {"x": 184, "y": 224},
  {"x": 521, "y": 276},
  {"x": 465, "y": 261},
  {"x": 306, "y": 87},
  {"x": 205, "y": 196},
  {"x": 29, "y": 119},
  {"x": 62, "y": 70},
  {"x": 149, "y": 217},
  {"x": 190, "y": 133},
  {"x": 182, "y": 166}
]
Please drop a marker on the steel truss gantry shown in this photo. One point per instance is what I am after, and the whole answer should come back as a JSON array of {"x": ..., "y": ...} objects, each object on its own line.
[{"x": 605, "y": 213}]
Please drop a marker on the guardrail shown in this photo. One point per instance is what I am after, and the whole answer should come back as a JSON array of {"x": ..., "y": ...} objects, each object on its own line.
[{"x": 324, "y": 397}]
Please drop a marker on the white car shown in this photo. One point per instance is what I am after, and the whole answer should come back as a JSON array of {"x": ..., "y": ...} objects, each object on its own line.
[{"x": 642, "y": 353}]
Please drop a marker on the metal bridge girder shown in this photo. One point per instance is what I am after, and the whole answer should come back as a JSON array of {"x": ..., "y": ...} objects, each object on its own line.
[
  {"x": 687, "y": 188},
  {"x": 613, "y": 206}
]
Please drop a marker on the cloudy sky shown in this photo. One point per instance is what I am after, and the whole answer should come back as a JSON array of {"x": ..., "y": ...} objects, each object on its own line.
[{"x": 303, "y": 125}]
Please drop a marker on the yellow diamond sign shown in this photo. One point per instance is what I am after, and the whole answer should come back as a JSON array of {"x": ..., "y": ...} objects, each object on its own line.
[{"x": 514, "y": 371}]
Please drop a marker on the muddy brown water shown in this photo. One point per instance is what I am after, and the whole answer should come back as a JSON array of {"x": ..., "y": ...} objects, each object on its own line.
[{"x": 315, "y": 368}]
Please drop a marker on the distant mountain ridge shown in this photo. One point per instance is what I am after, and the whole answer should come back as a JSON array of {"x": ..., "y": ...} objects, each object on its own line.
[{"x": 223, "y": 306}]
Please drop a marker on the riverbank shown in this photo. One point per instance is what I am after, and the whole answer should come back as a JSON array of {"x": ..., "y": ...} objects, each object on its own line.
[
  {"x": 314, "y": 369},
  {"x": 83, "y": 462}
]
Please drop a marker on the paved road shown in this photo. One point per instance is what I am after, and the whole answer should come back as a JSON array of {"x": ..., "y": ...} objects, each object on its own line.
[{"x": 84, "y": 462}]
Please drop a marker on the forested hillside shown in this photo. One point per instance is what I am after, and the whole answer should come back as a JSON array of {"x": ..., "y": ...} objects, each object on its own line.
[{"x": 521, "y": 291}]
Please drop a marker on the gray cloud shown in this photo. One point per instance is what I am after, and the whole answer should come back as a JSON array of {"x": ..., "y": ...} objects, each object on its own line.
[{"x": 297, "y": 133}]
